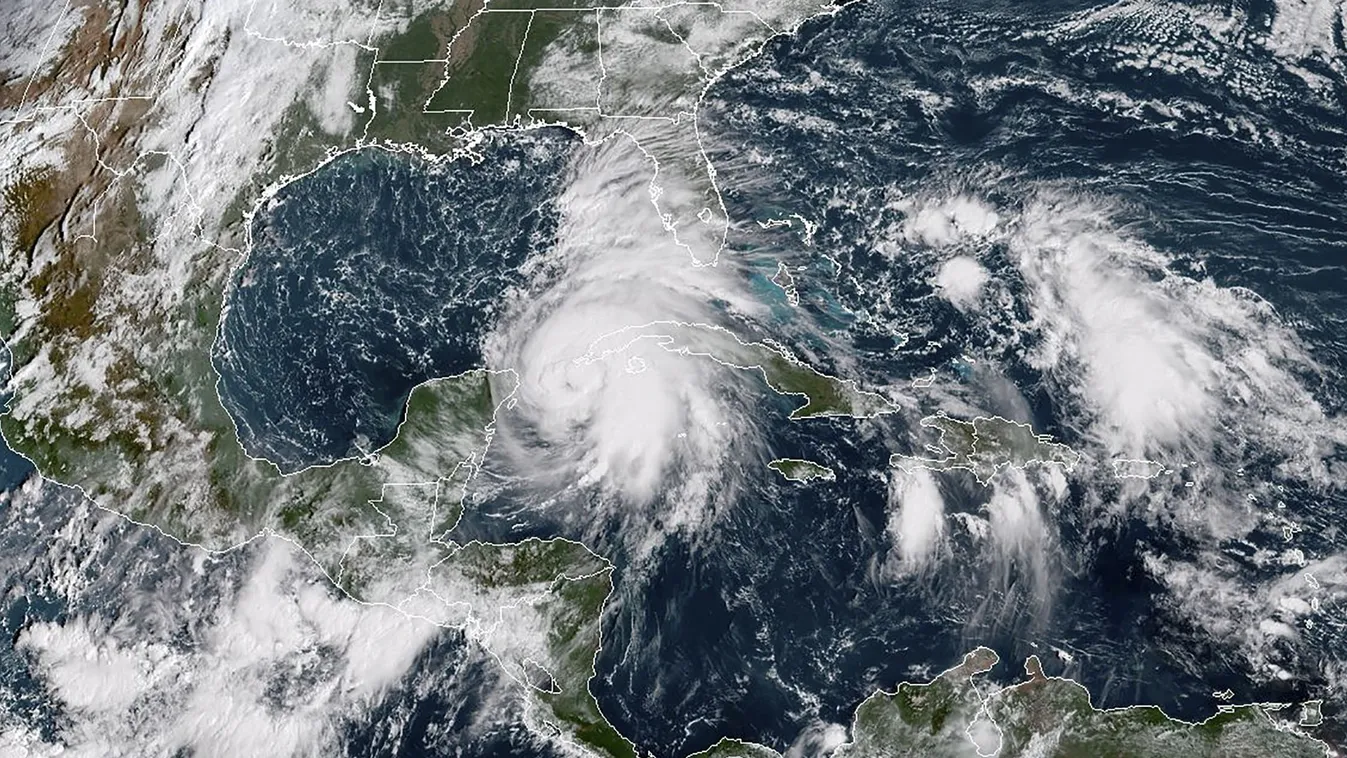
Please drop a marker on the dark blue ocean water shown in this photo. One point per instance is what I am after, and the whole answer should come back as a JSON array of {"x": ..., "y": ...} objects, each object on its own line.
[
  {"x": 369, "y": 276},
  {"x": 14, "y": 469},
  {"x": 1240, "y": 176},
  {"x": 23, "y": 603},
  {"x": 444, "y": 707},
  {"x": 381, "y": 270},
  {"x": 786, "y": 615}
]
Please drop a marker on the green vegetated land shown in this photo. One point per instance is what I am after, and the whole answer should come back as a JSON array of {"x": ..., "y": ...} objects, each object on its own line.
[
  {"x": 929, "y": 720},
  {"x": 468, "y": 65},
  {"x": 472, "y": 64},
  {"x": 797, "y": 470},
  {"x": 986, "y": 446},
  {"x": 481, "y": 67},
  {"x": 824, "y": 395},
  {"x": 728, "y": 748},
  {"x": 1039, "y": 718},
  {"x": 577, "y": 584},
  {"x": 376, "y": 523},
  {"x": 383, "y": 527},
  {"x": 1057, "y": 713},
  {"x": 155, "y": 442}
]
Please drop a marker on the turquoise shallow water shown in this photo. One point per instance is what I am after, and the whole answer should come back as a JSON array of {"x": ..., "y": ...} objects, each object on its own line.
[{"x": 381, "y": 271}]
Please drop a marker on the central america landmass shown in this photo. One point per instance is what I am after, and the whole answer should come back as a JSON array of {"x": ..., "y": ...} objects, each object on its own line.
[{"x": 375, "y": 522}]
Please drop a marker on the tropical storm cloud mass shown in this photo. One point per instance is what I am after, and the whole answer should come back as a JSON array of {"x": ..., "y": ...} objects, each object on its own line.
[{"x": 676, "y": 380}]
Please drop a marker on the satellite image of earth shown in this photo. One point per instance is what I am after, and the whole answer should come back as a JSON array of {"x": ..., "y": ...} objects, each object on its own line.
[{"x": 673, "y": 378}]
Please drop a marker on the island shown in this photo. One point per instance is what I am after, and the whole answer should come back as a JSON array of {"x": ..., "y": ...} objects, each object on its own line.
[
  {"x": 986, "y": 446},
  {"x": 802, "y": 471},
  {"x": 820, "y": 394},
  {"x": 1134, "y": 468},
  {"x": 127, "y": 209}
]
